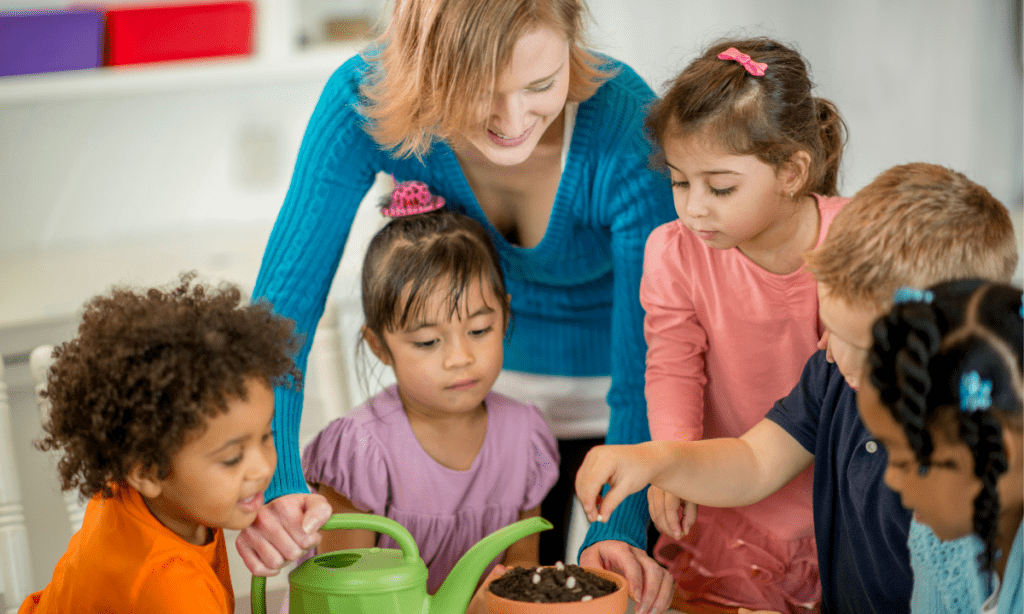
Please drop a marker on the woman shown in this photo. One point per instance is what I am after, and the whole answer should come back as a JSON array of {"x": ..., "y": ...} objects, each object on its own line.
[{"x": 498, "y": 108}]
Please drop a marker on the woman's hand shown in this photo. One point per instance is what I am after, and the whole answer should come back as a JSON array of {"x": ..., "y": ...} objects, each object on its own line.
[
  {"x": 664, "y": 507},
  {"x": 650, "y": 585},
  {"x": 626, "y": 469},
  {"x": 746, "y": 611},
  {"x": 283, "y": 530}
]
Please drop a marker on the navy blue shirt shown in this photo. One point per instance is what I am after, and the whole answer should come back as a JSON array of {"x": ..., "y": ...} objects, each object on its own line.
[{"x": 859, "y": 524}]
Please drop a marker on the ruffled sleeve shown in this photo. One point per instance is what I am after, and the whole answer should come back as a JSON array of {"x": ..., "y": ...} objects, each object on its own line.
[
  {"x": 543, "y": 462},
  {"x": 349, "y": 458}
]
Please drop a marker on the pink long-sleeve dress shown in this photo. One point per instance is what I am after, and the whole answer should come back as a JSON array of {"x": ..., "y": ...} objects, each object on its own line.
[{"x": 726, "y": 339}]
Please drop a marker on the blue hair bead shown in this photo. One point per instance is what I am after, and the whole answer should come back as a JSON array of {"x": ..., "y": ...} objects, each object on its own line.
[
  {"x": 975, "y": 392},
  {"x": 922, "y": 470},
  {"x": 907, "y": 294}
]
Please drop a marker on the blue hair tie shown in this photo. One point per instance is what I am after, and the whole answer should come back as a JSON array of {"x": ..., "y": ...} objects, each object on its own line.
[
  {"x": 907, "y": 294},
  {"x": 975, "y": 392}
]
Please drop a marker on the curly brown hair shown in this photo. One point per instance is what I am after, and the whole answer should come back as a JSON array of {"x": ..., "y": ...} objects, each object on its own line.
[{"x": 148, "y": 369}]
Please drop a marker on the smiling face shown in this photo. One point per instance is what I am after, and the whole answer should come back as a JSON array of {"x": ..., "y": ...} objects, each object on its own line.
[
  {"x": 726, "y": 200},
  {"x": 943, "y": 498},
  {"x": 218, "y": 477},
  {"x": 847, "y": 337},
  {"x": 443, "y": 363},
  {"x": 528, "y": 97}
]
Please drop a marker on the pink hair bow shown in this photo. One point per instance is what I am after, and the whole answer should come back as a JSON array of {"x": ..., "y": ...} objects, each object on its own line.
[
  {"x": 410, "y": 198},
  {"x": 754, "y": 68}
]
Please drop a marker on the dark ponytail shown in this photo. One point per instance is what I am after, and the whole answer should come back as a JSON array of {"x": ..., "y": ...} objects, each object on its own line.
[
  {"x": 906, "y": 340},
  {"x": 832, "y": 130}
]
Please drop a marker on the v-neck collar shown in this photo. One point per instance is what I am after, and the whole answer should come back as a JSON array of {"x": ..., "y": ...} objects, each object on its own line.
[{"x": 556, "y": 221}]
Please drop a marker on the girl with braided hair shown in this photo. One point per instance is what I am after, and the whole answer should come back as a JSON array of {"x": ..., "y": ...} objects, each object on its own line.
[{"x": 945, "y": 398}]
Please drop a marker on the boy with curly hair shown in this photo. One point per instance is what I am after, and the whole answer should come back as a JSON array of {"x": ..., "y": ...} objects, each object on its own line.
[
  {"x": 914, "y": 225},
  {"x": 162, "y": 409}
]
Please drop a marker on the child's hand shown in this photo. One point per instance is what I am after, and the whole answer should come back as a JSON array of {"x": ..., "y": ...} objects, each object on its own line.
[
  {"x": 665, "y": 512},
  {"x": 283, "y": 530},
  {"x": 626, "y": 469}
]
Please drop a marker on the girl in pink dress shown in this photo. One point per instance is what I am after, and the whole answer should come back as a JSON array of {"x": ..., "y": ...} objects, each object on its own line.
[
  {"x": 731, "y": 314},
  {"x": 438, "y": 452}
]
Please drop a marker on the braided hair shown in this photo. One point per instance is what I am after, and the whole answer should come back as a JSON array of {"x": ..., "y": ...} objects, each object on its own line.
[{"x": 921, "y": 352}]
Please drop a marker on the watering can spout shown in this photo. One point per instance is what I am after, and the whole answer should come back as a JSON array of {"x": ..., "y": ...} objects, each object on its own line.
[{"x": 457, "y": 589}]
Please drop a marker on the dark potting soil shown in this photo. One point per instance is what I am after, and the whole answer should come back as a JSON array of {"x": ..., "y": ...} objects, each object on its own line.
[{"x": 518, "y": 584}]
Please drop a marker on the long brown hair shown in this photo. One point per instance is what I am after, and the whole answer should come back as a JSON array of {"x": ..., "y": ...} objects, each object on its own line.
[
  {"x": 438, "y": 58},
  {"x": 771, "y": 116}
]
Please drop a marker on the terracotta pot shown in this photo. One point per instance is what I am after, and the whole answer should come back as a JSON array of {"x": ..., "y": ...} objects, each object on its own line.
[{"x": 613, "y": 603}]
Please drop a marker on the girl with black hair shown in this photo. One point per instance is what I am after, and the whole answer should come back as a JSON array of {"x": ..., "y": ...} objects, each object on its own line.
[{"x": 944, "y": 399}]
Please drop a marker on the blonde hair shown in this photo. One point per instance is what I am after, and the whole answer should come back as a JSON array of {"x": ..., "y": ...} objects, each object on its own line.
[
  {"x": 438, "y": 58},
  {"x": 915, "y": 225}
]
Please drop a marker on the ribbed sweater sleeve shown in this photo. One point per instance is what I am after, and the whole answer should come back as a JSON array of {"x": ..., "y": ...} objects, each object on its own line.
[
  {"x": 636, "y": 200},
  {"x": 334, "y": 169}
]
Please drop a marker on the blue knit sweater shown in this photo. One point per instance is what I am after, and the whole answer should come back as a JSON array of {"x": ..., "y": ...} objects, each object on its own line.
[{"x": 575, "y": 296}]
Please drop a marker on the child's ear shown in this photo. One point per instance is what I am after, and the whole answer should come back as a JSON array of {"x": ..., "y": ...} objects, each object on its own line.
[
  {"x": 376, "y": 346},
  {"x": 795, "y": 171},
  {"x": 145, "y": 480},
  {"x": 1013, "y": 445}
]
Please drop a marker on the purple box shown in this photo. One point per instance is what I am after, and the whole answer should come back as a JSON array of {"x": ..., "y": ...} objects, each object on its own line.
[{"x": 49, "y": 41}]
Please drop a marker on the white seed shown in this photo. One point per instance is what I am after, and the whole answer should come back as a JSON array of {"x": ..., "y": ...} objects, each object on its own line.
[
  {"x": 586, "y": 598},
  {"x": 559, "y": 565},
  {"x": 570, "y": 582},
  {"x": 536, "y": 578}
]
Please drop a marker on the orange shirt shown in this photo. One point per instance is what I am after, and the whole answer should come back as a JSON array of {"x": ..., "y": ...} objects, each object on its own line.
[{"x": 124, "y": 561}]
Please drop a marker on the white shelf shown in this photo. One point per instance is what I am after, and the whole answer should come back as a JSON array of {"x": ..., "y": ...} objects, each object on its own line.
[
  {"x": 54, "y": 284},
  {"x": 315, "y": 64}
]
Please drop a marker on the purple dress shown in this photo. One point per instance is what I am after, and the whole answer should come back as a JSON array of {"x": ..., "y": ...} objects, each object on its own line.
[{"x": 372, "y": 457}]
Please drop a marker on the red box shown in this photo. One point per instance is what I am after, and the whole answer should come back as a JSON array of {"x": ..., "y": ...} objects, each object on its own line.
[{"x": 140, "y": 34}]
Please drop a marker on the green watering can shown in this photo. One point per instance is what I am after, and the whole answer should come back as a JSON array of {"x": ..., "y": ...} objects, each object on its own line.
[{"x": 385, "y": 580}]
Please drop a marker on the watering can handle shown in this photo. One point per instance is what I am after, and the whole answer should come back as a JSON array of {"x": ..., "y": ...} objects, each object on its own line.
[
  {"x": 259, "y": 595},
  {"x": 379, "y": 524}
]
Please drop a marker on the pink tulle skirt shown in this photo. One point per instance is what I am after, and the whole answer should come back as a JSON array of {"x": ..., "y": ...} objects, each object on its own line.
[{"x": 727, "y": 560}]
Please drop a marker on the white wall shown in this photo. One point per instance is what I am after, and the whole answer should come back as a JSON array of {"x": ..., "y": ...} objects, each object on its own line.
[
  {"x": 928, "y": 80},
  {"x": 915, "y": 80}
]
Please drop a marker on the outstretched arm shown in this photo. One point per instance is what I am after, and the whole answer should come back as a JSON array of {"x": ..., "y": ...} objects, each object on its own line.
[{"x": 728, "y": 472}]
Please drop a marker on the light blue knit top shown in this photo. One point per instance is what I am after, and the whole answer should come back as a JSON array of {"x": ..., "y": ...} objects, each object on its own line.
[
  {"x": 947, "y": 579},
  {"x": 575, "y": 296}
]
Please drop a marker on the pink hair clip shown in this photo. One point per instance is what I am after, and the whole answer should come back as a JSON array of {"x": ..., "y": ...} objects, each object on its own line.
[
  {"x": 754, "y": 68},
  {"x": 410, "y": 198}
]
